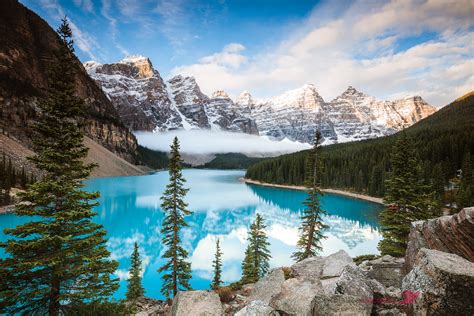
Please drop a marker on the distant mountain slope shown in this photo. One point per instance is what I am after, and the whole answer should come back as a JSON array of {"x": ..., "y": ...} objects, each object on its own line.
[
  {"x": 27, "y": 46},
  {"x": 109, "y": 163},
  {"x": 444, "y": 140},
  {"x": 230, "y": 161}
]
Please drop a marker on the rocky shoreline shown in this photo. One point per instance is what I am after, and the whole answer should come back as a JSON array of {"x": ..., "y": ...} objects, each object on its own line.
[
  {"x": 428, "y": 281},
  {"x": 303, "y": 188},
  {"x": 7, "y": 209}
]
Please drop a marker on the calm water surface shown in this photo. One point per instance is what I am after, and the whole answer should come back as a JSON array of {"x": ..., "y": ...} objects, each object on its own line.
[{"x": 223, "y": 208}]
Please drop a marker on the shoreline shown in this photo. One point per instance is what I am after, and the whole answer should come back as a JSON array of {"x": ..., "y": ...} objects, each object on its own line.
[
  {"x": 303, "y": 188},
  {"x": 7, "y": 209}
]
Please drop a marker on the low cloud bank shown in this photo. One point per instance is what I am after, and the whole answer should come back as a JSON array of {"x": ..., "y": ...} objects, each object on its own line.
[{"x": 215, "y": 142}]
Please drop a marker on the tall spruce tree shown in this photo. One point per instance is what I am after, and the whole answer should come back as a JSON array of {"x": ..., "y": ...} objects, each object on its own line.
[
  {"x": 257, "y": 255},
  {"x": 217, "y": 265},
  {"x": 58, "y": 257},
  {"x": 407, "y": 198},
  {"x": 309, "y": 243},
  {"x": 134, "y": 286},
  {"x": 177, "y": 270}
]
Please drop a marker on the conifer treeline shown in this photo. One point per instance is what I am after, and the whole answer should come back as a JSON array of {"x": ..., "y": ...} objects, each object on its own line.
[
  {"x": 444, "y": 143},
  {"x": 10, "y": 177}
]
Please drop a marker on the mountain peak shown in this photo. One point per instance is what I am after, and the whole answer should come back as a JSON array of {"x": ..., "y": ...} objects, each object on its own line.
[
  {"x": 220, "y": 94},
  {"x": 133, "y": 59},
  {"x": 141, "y": 63},
  {"x": 351, "y": 90},
  {"x": 189, "y": 80}
]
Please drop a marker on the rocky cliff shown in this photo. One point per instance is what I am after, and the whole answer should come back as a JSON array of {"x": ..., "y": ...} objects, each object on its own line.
[
  {"x": 27, "y": 46},
  {"x": 453, "y": 234},
  {"x": 351, "y": 116},
  {"x": 145, "y": 102}
]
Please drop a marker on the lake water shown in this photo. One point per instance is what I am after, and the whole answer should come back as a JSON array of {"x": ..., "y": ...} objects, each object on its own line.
[{"x": 223, "y": 208}]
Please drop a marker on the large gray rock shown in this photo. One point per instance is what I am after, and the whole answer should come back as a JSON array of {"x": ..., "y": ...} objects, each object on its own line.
[
  {"x": 268, "y": 287},
  {"x": 318, "y": 268},
  {"x": 442, "y": 283},
  {"x": 353, "y": 282},
  {"x": 387, "y": 270},
  {"x": 453, "y": 234},
  {"x": 296, "y": 297},
  {"x": 199, "y": 303},
  {"x": 335, "y": 263},
  {"x": 340, "y": 305},
  {"x": 257, "y": 308},
  {"x": 308, "y": 269}
]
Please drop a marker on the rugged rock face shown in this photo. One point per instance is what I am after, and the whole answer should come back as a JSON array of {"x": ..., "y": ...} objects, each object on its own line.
[
  {"x": 443, "y": 283},
  {"x": 27, "y": 48},
  {"x": 454, "y": 234},
  {"x": 133, "y": 81},
  {"x": 292, "y": 115},
  {"x": 197, "y": 303},
  {"x": 189, "y": 100},
  {"x": 146, "y": 102},
  {"x": 224, "y": 113},
  {"x": 351, "y": 116},
  {"x": 386, "y": 270}
]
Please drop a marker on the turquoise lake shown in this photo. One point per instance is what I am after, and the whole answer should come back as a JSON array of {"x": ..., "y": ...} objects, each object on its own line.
[{"x": 223, "y": 208}]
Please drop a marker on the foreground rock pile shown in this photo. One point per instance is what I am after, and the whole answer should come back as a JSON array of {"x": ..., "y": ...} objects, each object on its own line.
[{"x": 437, "y": 282}]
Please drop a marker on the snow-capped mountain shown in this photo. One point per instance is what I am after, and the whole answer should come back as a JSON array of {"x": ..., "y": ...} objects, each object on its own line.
[
  {"x": 146, "y": 102},
  {"x": 351, "y": 116}
]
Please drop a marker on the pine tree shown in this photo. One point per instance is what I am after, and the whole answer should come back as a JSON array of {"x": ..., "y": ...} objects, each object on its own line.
[
  {"x": 177, "y": 270},
  {"x": 309, "y": 243},
  {"x": 217, "y": 265},
  {"x": 257, "y": 255},
  {"x": 407, "y": 198},
  {"x": 134, "y": 286},
  {"x": 465, "y": 195},
  {"x": 58, "y": 257}
]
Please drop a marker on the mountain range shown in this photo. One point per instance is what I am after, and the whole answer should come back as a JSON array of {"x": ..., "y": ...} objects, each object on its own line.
[{"x": 146, "y": 102}]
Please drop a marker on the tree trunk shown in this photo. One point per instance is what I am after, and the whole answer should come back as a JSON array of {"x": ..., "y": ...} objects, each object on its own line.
[{"x": 54, "y": 303}]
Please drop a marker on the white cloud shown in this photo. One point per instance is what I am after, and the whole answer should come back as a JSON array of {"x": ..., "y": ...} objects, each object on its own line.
[
  {"x": 105, "y": 11},
  {"x": 83, "y": 40},
  {"x": 210, "y": 142},
  {"x": 356, "y": 45},
  {"x": 229, "y": 56},
  {"x": 86, "y": 5}
]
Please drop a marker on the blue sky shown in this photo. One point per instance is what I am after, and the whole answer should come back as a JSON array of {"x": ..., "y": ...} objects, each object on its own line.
[{"x": 388, "y": 49}]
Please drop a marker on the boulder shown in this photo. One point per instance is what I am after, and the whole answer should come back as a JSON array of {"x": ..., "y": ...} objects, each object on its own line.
[
  {"x": 340, "y": 305},
  {"x": 386, "y": 270},
  {"x": 441, "y": 283},
  {"x": 296, "y": 297},
  {"x": 354, "y": 282},
  {"x": 199, "y": 303},
  {"x": 268, "y": 287},
  {"x": 308, "y": 269},
  {"x": 257, "y": 308},
  {"x": 453, "y": 234},
  {"x": 318, "y": 268},
  {"x": 335, "y": 263}
]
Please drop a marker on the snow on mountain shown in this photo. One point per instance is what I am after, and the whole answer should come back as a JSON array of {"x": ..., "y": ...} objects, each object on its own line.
[
  {"x": 353, "y": 115},
  {"x": 146, "y": 102}
]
